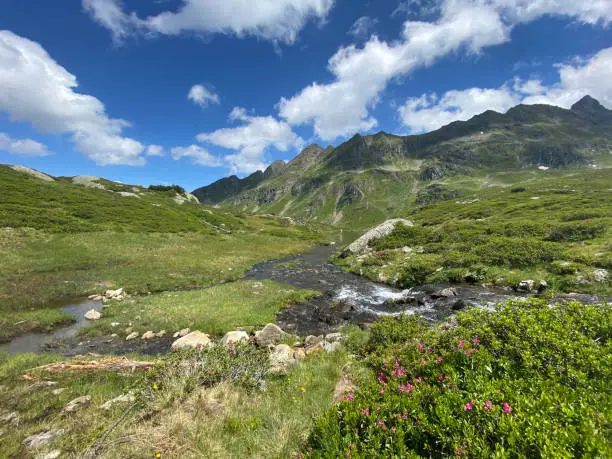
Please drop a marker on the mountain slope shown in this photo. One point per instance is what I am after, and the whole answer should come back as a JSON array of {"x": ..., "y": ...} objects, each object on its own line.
[{"x": 370, "y": 177}]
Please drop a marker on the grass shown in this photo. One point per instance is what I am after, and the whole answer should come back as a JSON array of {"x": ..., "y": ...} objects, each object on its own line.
[
  {"x": 554, "y": 229},
  {"x": 215, "y": 310}
]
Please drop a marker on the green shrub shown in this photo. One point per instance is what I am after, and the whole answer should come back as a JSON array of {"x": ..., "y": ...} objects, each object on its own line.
[
  {"x": 516, "y": 253},
  {"x": 416, "y": 270},
  {"x": 576, "y": 232},
  {"x": 525, "y": 380}
]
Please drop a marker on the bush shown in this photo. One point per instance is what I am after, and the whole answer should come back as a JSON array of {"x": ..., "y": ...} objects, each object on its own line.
[
  {"x": 175, "y": 188},
  {"x": 517, "y": 253},
  {"x": 522, "y": 381},
  {"x": 519, "y": 189}
]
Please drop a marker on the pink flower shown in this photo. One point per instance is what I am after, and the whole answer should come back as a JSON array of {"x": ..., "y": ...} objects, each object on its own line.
[
  {"x": 476, "y": 340},
  {"x": 394, "y": 429},
  {"x": 440, "y": 378},
  {"x": 347, "y": 454},
  {"x": 351, "y": 446},
  {"x": 461, "y": 343},
  {"x": 382, "y": 378},
  {"x": 468, "y": 353},
  {"x": 380, "y": 423},
  {"x": 382, "y": 392},
  {"x": 398, "y": 372},
  {"x": 406, "y": 388},
  {"x": 423, "y": 361},
  {"x": 365, "y": 411},
  {"x": 300, "y": 456},
  {"x": 506, "y": 408},
  {"x": 488, "y": 405},
  {"x": 378, "y": 408},
  {"x": 418, "y": 380},
  {"x": 420, "y": 347},
  {"x": 199, "y": 345},
  {"x": 439, "y": 360},
  {"x": 469, "y": 406},
  {"x": 310, "y": 449},
  {"x": 341, "y": 398},
  {"x": 350, "y": 397}
]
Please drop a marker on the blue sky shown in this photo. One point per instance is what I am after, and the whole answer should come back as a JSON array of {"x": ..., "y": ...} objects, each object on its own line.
[{"x": 188, "y": 91}]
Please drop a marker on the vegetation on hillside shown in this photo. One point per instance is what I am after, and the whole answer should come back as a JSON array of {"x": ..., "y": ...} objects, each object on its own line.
[{"x": 556, "y": 230}]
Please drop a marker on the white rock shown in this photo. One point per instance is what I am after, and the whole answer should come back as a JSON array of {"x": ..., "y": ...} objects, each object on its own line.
[
  {"x": 332, "y": 347},
  {"x": 58, "y": 391},
  {"x": 125, "y": 398},
  {"x": 115, "y": 324},
  {"x": 148, "y": 335},
  {"x": 281, "y": 359},
  {"x": 49, "y": 455},
  {"x": 406, "y": 250},
  {"x": 194, "y": 339},
  {"x": 235, "y": 337},
  {"x": 183, "y": 332},
  {"x": 271, "y": 334},
  {"x": 333, "y": 337},
  {"x": 33, "y": 173},
  {"x": 43, "y": 438},
  {"x": 78, "y": 403},
  {"x": 92, "y": 314},
  {"x": 131, "y": 336},
  {"x": 600, "y": 275},
  {"x": 361, "y": 245},
  {"x": 526, "y": 285},
  {"x": 160, "y": 334},
  {"x": 11, "y": 417}
]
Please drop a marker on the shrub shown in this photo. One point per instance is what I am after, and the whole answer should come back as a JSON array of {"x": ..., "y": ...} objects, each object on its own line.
[
  {"x": 522, "y": 381},
  {"x": 175, "y": 188},
  {"x": 518, "y": 189},
  {"x": 516, "y": 253}
]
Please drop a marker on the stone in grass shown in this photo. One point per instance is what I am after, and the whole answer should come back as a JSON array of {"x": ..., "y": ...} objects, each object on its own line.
[
  {"x": 333, "y": 337},
  {"x": 125, "y": 398},
  {"x": 312, "y": 340},
  {"x": 281, "y": 359},
  {"x": 78, "y": 403},
  {"x": 148, "y": 335},
  {"x": 183, "y": 332},
  {"x": 131, "y": 336},
  {"x": 270, "y": 335},
  {"x": 526, "y": 285},
  {"x": 459, "y": 305},
  {"x": 195, "y": 339},
  {"x": 235, "y": 337},
  {"x": 92, "y": 314},
  {"x": 10, "y": 418},
  {"x": 43, "y": 438},
  {"x": 49, "y": 454},
  {"x": 600, "y": 275}
]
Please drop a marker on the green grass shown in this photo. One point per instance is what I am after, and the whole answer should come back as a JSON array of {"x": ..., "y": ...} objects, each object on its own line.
[
  {"x": 216, "y": 310},
  {"x": 557, "y": 229}
]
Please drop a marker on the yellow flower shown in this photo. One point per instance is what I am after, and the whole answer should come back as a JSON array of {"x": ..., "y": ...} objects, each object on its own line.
[
  {"x": 303, "y": 389},
  {"x": 158, "y": 455},
  {"x": 155, "y": 387},
  {"x": 293, "y": 398}
]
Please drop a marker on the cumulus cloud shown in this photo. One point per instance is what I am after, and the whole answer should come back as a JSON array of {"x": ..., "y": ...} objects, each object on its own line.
[
  {"x": 197, "y": 154},
  {"x": 586, "y": 76},
  {"x": 250, "y": 141},
  {"x": 24, "y": 147},
  {"x": 36, "y": 89},
  {"x": 155, "y": 150},
  {"x": 202, "y": 96},
  {"x": 362, "y": 27},
  {"x": 361, "y": 74},
  {"x": 275, "y": 20}
]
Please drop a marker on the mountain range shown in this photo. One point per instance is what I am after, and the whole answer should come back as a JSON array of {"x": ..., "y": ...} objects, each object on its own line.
[{"x": 368, "y": 178}]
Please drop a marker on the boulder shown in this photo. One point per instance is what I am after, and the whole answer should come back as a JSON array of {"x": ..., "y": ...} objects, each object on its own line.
[
  {"x": 526, "y": 285},
  {"x": 58, "y": 391},
  {"x": 319, "y": 347},
  {"x": 270, "y": 335},
  {"x": 160, "y": 334},
  {"x": 183, "y": 332},
  {"x": 445, "y": 293},
  {"x": 92, "y": 314},
  {"x": 131, "y": 336},
  {"x": 148, "y": 335},
  {"x": 125, "y": 398},
  {"x": 115, "y": 324},
  {"x": 49, "y": 454},
  {"x": 312, "y": 340},
  {"x": 299, "y": 354},
  {"x": 10, "y": 418},
  {"x": 281, "y": 359},
  {"x": 600, "y": 275},
  {"x": 542, "y": 285},
  {"x": 78, "y": 403},
  {"x": 43, "y": 438},
  {"x": 361, "y": 245},
  {"x": 333, "y": 337},
  {"x": 332, "y": 347},
  {"x": 459, "y": 305},
  {"x": 407, "y": 250},
  {"x": 193, "y": 340},
  {"x": 110, "y": 294},
  {"x": 235, "y": 337}
]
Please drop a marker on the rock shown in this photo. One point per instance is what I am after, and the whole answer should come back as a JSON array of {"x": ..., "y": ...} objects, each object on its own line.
[
  {"x": 312, "y": 340},
  {"x": 49, "y": 454},
  {"x": 332, "y": 347},
  {"x": 333, "y": 337},
  {"x": 92, "y": 314},
  {"x": 130, "y": 329},
  {"x": 131, "y": 336},
  {"x": 526, "y": 285},
  {"x": 41, "y": 385},
  {"x": 125, "y": 398},
  {"x": 148, "y": 335},
  {"x": 58, "y": 391},
  {"x": 33, "y": 173},
  {"x": 299, "y": 354},
  {"x": 235, "y": 337},
  {"x": 112, "y": 294},
  {"x": 406, "y": 250},
  {"x": 459, "y": 305},
  {"x": 600, "y": 275},
  {"x": 319, "y": 347},
  {"x": 281, "y": 359},
  {"x": 115, "y": 324},
  {"x": 445, "y": 293},
  {"x": 114, "y": 335},
  {"x": 183, "y": 332},
  {"x": 270, "y": 335},
  {"x": 361, "y": 245},
  {"x": 78, "y": 403},
  {"x": 43, "y": 438},
  {"x": 160, "y": 334},
  {"x": 10, "y": 418},
  {"x": 195, "y": 339},
  {"x": 542, "y": 285}
]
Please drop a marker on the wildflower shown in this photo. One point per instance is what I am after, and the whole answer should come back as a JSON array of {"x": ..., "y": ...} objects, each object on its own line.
[
  {"x": 158, "y": 455},
  {"x": 341, "y": 398},
  {"x": 303, "y": 389},
  {"x": 476, "y": 340},
  {"x": 468, "y": 353},
  {"x": 429, "y": 350},
  {"x": 394, "y": 429},
  {"x": 439, "y": 360},
  {"x": 380, "y": 423},
  {"x": 506, "y": 408},
  {"x": 382, "y": 378},
  {"x": 293, "y": 398},
  {"x": 382, "y": 392},
  {"x": 199, "y": 346},
  {"x": 418, "y": 380},
  {"x": 347, "y": 454},
  {"x": 310, "y": 449},
  {"x": 350, "y": 397},
  {"x": 461, "y": 343},
  {"x": 488, "y": 405},
  {"x": 423, "y": 361},
  {"x": 469, "y": 406},
  {"x": 365, "y": 411},
  {"x": 420, "y": 347},
  {"x": 440, "y": 378},
  {"x": 406, "y": 388},
  {"x": 300, "y": 456},
  {"x": 378, "y": 408},
  {"x": 351, "y": 446},
  {"x": 155, "y": 387}
]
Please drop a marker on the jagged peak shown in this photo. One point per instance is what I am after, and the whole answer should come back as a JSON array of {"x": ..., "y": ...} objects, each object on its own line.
[{"x": 587, "y": 103}]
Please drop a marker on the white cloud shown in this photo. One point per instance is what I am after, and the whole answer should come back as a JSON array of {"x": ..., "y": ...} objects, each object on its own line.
[
  {"x": 202, "y": 96},
  {"x": 155, "y": 150},
  {"x": 35, "y": 89},
  {"x": 360, "y": 74},
  {"x": 197, "y": 154},
  {"x": 362, "y": 26},
  {"x": 24, "y": 147},
  {"x": 591, "y": 76},
  {"x": 251, "y": 140},
  {"x": 275, "y": 20}
]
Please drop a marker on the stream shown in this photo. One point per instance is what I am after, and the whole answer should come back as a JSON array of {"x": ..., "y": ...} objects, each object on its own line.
[{"x": 345, "y": 299}]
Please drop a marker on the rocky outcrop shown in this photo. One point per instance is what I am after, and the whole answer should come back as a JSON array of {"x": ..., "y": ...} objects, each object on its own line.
[
  {"x": 43, "y": 438},
  {"x": 361, "y": 245},
  {"x": 195, "y": 339},
  {"x": 92, "y": 314},
  {"x": 235, "y": 337},
  {"x": 33, "y": 172},
  {"x": 78, "y": 404},
  {"x": 270, "y": 335},
  {"x": 281, "y": 359}
]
